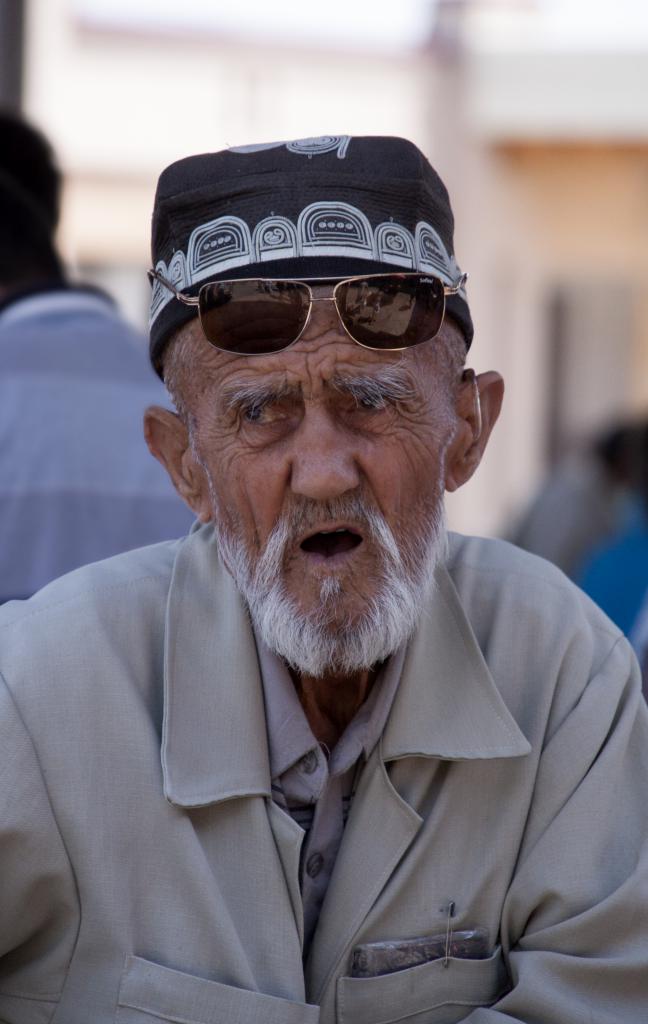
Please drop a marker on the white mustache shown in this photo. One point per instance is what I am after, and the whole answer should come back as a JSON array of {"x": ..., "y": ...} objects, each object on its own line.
[{"x": 307, "y": 514}]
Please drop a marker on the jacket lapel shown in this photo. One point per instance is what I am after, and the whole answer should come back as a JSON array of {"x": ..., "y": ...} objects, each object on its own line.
[
  {"x": 214, "y": 739},
  {"x": 288, "y": 837},
  {"x": 380, "y": 828},
  {"x": 447, "y": 707}
]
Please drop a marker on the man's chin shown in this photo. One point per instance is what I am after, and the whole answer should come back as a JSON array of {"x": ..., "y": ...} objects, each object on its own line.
[{"x": 329, "y": 603}]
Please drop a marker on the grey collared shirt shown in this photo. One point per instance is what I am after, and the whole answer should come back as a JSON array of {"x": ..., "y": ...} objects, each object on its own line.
[{"x": 314, "y": 785}]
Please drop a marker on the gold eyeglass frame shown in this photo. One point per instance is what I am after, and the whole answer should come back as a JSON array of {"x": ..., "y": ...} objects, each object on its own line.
[{"x": 194, "y": 300}]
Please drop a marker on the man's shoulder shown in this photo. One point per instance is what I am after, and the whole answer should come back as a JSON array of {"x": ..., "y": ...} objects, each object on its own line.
[
  {"x": 86, "y": 653},
  {"x": 500, "y": 584},
  {"x": 104, "y": 604},
  {"x": 507, "y": 564},
  {"x": 488, "y": 554},
  {"x": 541, "y": 637}
]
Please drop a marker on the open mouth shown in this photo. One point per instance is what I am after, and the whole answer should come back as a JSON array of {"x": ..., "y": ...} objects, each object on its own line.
[{"x": 329, "y": 543}]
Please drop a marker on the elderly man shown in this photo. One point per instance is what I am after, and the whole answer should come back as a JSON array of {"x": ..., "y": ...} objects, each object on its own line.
[{"x": 315, "y": 762}]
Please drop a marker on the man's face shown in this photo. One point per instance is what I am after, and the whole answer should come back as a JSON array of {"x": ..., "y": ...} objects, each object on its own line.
[{"x": 324, "y": 466}]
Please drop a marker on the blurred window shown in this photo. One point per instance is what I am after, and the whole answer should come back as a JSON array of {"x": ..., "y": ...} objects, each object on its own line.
[{"x": 591, "y": 327}]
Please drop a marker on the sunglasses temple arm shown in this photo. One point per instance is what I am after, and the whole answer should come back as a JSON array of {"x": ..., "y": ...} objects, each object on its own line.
[
  {"x": 188, "y": 300},
  {"x": 455, "y": 288}
]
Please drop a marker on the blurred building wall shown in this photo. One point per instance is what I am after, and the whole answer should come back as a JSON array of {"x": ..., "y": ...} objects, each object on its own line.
[
  {"x": 544, "y": 137},
  {"x": 544, "y": 149},
  {"x": 121, "y": 105}
]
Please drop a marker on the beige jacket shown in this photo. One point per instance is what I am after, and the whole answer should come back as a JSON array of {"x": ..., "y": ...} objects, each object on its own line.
[{"x": 139, "y": 886}]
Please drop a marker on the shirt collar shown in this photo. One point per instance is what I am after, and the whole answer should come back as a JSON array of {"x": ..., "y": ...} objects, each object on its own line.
[{"x": 289, "y": 734}]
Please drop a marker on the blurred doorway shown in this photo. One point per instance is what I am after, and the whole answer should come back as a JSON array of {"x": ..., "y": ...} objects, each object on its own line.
[{"x": 12, "y": 42}]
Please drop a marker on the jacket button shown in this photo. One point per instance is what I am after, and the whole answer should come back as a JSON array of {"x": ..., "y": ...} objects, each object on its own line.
[
  {"x": 314, "y": 865},
  {"x": 308, "y": 762}
]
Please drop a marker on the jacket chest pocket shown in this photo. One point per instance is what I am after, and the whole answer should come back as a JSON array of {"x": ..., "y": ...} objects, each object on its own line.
[
  {"x": 151, "y": 994},
  {"x": 427, "y": 994}
]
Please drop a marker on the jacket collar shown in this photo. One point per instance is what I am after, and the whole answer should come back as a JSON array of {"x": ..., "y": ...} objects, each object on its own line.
[
  {"x": 447, "y": 704},
  {"x": 214, "y": 742}
]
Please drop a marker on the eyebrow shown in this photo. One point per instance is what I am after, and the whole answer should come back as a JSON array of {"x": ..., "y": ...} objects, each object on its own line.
[
  {"x": 382, "y": 385},
  {"x": 256, "y": 393},
  {"x": 385, "y": 384}
]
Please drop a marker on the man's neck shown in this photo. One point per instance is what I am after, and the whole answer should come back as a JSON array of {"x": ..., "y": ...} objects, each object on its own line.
[{"x": 330, "y": 702}]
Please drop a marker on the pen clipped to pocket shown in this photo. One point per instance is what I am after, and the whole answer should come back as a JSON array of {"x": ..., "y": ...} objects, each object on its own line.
[{"x": 372, "y": 959}]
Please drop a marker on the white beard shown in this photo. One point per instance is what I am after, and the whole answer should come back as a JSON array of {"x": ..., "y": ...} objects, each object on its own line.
[{"x": 313, "y": 643}]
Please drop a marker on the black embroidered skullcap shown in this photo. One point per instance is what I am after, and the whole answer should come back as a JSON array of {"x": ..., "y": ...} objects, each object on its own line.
[{"x": 335, "y": 206}]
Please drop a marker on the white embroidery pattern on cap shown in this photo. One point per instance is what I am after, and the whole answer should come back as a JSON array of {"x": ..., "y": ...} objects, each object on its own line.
[
  {"x": 275, "y": 238},
  {"x": 307, "y": 147},
  {"x": 322, "y": 229}
]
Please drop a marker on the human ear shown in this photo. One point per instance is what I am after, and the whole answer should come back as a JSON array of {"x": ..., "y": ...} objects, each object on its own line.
[
  {"x": 167, "y": 438},
  {"x": 478, "y": 405}
]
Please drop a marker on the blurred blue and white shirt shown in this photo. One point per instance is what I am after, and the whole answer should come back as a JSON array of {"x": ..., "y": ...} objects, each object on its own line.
[{"x": 77, "y": 482}]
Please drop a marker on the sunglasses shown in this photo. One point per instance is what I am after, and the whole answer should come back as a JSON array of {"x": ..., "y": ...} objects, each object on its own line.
[{"x": 259, "y": 316}]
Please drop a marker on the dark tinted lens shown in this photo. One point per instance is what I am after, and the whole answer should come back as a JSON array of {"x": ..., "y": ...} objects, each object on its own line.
[
  {"x": 391, "y": 311},
  {"x": 253, "y": 317}
]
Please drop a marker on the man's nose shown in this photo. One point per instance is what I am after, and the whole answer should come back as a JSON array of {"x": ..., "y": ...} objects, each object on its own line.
[{"x": 323, "y": 464}]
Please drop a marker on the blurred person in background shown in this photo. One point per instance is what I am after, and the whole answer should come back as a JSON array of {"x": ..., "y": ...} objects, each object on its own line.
[
  {"x": 615, "y": 573},
  {"x": 583, "y": 501},
  {"x": 76, "y": 481}
]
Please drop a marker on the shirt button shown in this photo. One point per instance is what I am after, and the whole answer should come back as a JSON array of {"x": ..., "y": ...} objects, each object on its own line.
[
  {"x": 314, "y": 865},
  {"x": 308, "y": 762}
]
